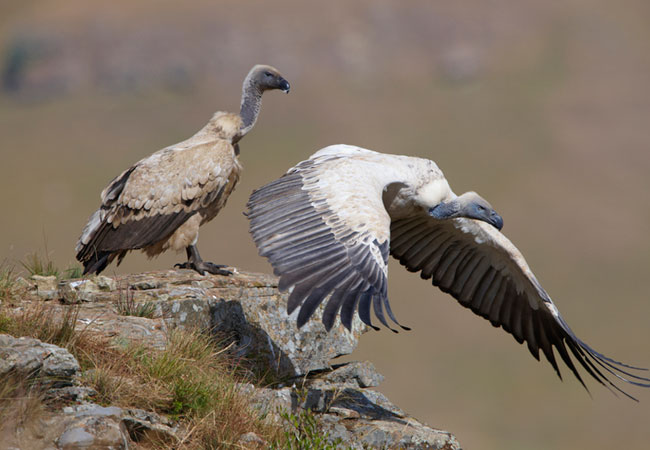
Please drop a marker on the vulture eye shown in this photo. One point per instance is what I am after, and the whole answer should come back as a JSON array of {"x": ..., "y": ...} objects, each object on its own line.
[{"x": 268, "y": 74}]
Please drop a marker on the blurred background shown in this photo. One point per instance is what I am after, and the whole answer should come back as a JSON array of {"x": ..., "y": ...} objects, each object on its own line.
[{"x": 542, "y": 107}]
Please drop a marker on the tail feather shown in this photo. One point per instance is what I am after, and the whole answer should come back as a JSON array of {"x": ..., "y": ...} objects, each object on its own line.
[{"x": 98, "y": 262}]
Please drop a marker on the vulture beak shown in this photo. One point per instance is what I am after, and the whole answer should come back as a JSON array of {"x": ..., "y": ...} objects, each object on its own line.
[
  {"x": 495, "y": 220},
  {"x": 284, "y": 86}
]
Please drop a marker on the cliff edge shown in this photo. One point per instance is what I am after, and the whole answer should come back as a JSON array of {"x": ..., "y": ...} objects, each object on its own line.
[{"x": 247, "y": 314}]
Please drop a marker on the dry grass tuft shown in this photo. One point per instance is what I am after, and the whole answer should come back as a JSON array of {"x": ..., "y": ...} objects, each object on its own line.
[
  {"x": 193, "y": 380},
  {"x": 21, "y": 408},
  {"x": 127, "y": 306},
  {"x": 44, "y": 322},
  {"x": 7, "y": 284},
  {"x": 35, "y": 264}
]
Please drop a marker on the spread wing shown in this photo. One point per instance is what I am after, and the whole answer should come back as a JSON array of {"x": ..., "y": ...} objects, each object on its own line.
[
  {"x": 150, "y": 200},
  {"x": 485, "y": 272},
  {"x": 325, "y": 231}
]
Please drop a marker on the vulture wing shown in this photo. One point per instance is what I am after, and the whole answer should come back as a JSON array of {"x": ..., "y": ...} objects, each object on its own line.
[
  {"x": 485, "y": 272},
  {"x": 325, "y": 231},
  {"x": 149, "y": 201}
]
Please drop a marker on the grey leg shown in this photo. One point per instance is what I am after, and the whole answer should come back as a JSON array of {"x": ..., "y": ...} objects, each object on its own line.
[{"x": 195, "y": 262}]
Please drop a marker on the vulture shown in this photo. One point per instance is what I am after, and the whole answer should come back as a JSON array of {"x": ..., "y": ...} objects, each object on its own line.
[
  {"x": 328, "y": 225},
  {"x": 161, "y": 201}
]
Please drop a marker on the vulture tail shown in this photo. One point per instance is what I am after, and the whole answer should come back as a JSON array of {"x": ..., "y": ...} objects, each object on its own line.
[{"x": 97, "y": 262}]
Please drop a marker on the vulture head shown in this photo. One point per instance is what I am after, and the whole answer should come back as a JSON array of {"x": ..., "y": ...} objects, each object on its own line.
[
  {"x": 470, "y": 205},
  {"x": 266, "y": 78}
]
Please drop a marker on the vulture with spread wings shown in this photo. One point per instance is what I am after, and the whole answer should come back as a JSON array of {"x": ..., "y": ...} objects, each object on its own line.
[{"x": 328, "y": 225}]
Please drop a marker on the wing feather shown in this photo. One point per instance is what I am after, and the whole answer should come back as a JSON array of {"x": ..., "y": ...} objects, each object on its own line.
[
  {"x": 318, "y": 250},
  {"x": 478, "y": 266}
]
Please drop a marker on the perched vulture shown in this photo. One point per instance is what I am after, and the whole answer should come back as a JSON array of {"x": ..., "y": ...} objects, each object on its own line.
[
  {"x": 162, "y": 200},
  {"x": 328, "y": 225}
]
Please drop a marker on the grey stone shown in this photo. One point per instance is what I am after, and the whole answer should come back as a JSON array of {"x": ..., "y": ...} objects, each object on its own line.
[
  {"x": 148, "y": 426},
  {"x": 45, "y": 286},
  {"x": 100, "y": 411},
  {"x": 245, "y": 309},
  {"x": 31, "y": 357},
  {"x": 105, "y": 283},
  {"x": 103, "y": 431},
  {"x": 75, "y": 438},
  {"x": 250, "y": 439},
  {"x": 357, "y": 373},
  {"x": 76, "y": 291},
  {"x": 70, "y": 394}
]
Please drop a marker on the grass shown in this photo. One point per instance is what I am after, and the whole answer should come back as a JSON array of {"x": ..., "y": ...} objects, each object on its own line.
[
  {"x": 303, "y": 433},
  {"x": 7, "y": 282},
  {"x": 193, "y": 380},
  {"x": 127, "y": 306},
  {"x": 35, "y": 264},
  {"x": 73, "y": 272},
  {"x": 22, "y": 405},
  {"x": 40, "y": 321}
]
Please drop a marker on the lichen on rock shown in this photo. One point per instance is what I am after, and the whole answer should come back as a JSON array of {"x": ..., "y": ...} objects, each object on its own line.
[{"x": 248, "y": 314}]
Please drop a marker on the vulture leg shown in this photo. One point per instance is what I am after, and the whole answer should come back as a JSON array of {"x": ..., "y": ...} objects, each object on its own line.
[{"x": 195, "y": 262}]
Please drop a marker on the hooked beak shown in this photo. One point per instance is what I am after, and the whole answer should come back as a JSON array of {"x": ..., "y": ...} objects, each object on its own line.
[
  {"x": 284, "y": 86},
  {"x": 495, "y": 220}
]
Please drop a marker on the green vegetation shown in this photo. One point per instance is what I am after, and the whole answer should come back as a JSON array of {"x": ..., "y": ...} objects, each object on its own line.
[
  {"x": 7, "y": 281},
  {"x": 305, "y": 434},
  {"x": 192, "y": 380},
  {"x": 127, "y": 306},
  {"x": 73, "y": 271},
  {"x": 35, "y": 264}
]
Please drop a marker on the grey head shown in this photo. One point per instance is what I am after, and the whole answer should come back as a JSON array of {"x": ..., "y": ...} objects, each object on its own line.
[
  {"x": 470, "y": 205},
  {"x": 266, "y": 78},
  {"x": 261, "y": 78}
]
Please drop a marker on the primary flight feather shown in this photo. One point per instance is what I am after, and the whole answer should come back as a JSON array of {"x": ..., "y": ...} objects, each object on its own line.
[{"x": 328, "y": 225}]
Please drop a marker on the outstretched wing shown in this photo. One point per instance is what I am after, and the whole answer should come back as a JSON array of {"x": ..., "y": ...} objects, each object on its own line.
[
  {"x": 485, "y": 272},
  {"x": 325, "y": 231}
]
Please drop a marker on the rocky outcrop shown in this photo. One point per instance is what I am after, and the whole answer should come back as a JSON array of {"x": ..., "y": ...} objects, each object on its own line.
[
  {"x": 249, "y": 313},
  {"x": 27, "y": 357},
  {"x": 245, "y": 309}
]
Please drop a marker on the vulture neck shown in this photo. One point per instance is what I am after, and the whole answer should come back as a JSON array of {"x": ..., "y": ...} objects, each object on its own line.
[{"x": 251, "y": 102}]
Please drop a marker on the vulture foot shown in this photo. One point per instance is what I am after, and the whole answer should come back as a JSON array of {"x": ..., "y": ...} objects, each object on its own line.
[
  {"x": 195, "y": 262},
  {"x": 202, "y": 267}
]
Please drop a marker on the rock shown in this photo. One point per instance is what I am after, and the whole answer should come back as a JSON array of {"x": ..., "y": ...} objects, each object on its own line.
[
  {"x": 69, "y": 394},
  {"x": 360, "y": 417},
  {"x": 103, "y": 431},
  {"x": 251, "y": 440},
  {"x": 149, "y": 332},
  {"x": 77, "y": 291},
  {"x": 46, "y": 287},
  {"x": 148, "y": 426},
  {"x": 75, "y": 438},
  {"x": 33, "y": 358},
  {"x": 358, "y": 374},
  {"x": 105, "y": 283},
  {"x": 245, "y": 309}
]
